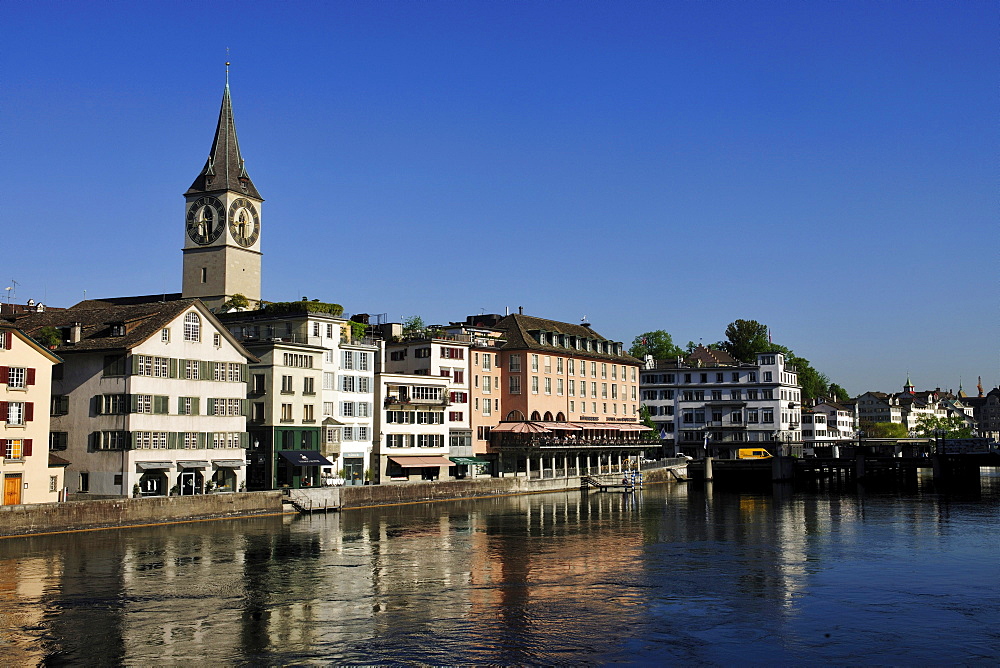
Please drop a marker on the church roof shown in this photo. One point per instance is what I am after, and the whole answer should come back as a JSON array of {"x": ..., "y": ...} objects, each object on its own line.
[{"x": 224, "y": 169}]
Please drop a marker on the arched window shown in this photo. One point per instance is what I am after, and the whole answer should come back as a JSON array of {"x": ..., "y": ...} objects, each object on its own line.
[
  {"x": 548, "y": 417},
  {"x": 535, "y": 416},
  {"x": 515, "y": 416},
  {"x": 192, "y": 327},
  {"x": 560, "y": 417}
]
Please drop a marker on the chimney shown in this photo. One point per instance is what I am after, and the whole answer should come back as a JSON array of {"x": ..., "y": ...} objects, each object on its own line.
[
  {"x": 75, "y": 332},
  {"x": 520, "y": 310}
]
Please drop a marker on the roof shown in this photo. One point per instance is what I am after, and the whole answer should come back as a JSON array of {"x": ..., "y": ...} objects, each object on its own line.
[
  {"x": 97, "y": 317},
  {"x": 224, "y": 169},
  {"x": 518, "y": 327},
  {"x": 711, "y": 357},
  {"x": 56, "y": 460},
  {"x": 28, "y": 339}
]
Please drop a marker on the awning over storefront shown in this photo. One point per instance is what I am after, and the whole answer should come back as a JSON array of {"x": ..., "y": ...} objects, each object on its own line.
[
  {"x": 305, "y": 458},
  {"x": 412, "y": 462},
  {"x": 228, "y": 463},
  {"x": 192, "y": 465},
  {"x": 521, "y": 428},
  {"x": 150, "y": 466},
  {"x": 468, "y": 460},
  {"x": 564, "y": 426}
]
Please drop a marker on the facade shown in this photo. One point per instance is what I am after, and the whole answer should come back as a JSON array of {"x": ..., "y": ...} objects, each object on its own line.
[
  {"x": 826, "y": 425},
  {"x": 150, "y": 398},
  {"x": 312, "y": 391},
  {"x": 222, "y": 255},
  {"x": 710, "y": 403},
  {"x": 568, "y": 399},
  {"x": 26, "y": 472},
  {"x": 413, "y": 432},
  {"x": 905, "y": 408}
]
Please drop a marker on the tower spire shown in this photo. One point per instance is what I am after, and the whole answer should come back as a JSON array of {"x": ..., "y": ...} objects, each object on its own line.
[{"x": 224, "y": 169}]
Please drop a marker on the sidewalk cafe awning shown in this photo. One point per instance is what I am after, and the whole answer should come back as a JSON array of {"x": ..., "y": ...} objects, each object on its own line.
[
  {"x": 305, "y": 458},
  {"x": 521, "y": 428},
  {"x": 414, "y": 461},
  {"x": 192, "y": 465},
  {"x": 468, "y": 460},
  {"x": 565, "y": 426},
  {"x": 153, "y": 466},
  {"x": 228, "y": 463},
  {"x": 634, "y": 427}
]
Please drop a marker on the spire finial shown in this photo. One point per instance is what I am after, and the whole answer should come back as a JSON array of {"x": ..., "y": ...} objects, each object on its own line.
[{"x": 227, "y": 67}]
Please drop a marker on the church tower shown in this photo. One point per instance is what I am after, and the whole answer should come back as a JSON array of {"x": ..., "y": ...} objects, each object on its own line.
[{"x": 222, "y": 230}]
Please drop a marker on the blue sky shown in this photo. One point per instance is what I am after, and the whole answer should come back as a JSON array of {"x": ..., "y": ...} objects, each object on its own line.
[{"x": 827, "y": 168}]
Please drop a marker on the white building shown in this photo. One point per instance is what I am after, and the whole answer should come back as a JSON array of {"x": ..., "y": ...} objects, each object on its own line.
[
  {"x": 711, "y": 402},
  {"x": 413, "y": 434},
  {"x": 150, "y": 399},
  {"x": 826, "y": 425}
]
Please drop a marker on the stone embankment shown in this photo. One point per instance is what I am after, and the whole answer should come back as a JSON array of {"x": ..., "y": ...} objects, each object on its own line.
[
  {"x": 103, "y": 513},
  {"x": 107, "y": 513}
]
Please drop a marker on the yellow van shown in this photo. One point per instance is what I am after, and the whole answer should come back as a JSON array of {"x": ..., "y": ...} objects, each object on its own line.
[{"x": 753, "y": 453}]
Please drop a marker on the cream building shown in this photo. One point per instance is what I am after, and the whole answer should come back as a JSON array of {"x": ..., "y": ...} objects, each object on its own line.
[
  {"x": 26, "y": 382},
  {"x": 150, "y": 399}
]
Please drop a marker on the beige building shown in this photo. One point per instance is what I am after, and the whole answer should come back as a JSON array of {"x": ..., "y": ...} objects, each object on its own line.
[
  {"x": 150, "y": 398},
  {"x": 26, "y": 382}
]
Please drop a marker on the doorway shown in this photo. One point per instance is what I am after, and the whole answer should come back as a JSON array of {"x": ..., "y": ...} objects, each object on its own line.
[{"x": 12, "y": 489}]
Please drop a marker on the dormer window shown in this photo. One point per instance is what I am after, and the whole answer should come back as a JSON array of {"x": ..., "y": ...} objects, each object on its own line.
[{"x": 118, "y": 329}]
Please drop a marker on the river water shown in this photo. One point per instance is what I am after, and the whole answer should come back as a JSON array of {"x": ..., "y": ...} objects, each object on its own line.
[{"x": 675, "y": 574}]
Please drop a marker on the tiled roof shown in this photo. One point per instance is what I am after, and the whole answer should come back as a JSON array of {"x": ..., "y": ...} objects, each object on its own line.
[
  {"x": 711, "y": 357},
  {"x": 224, "y": 169},
  {"x": 96, "y": 319},
  {"x": 517, "y": 330}
]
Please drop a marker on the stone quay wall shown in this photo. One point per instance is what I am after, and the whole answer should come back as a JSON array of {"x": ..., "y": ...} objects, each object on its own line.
[{"x": 102, "y": 513}]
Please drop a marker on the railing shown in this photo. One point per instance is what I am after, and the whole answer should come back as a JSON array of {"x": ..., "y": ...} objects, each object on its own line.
[
  {"x": 414, "y": 401},
  {"x": 510, "y": 443}
]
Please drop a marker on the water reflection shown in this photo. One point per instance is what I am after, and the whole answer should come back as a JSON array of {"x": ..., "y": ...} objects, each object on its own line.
[{"x": 676, "y": 573}]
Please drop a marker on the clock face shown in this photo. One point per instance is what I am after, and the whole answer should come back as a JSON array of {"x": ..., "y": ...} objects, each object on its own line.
[
  {"x": 244, "y": 223},
  {"x": 206, "y": 218}
]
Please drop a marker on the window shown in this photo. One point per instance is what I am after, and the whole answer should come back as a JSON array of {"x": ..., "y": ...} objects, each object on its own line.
[
  {"x": 534, "y": 363},
  {"x": 515, "y": 363},
  {"x": 752, "y": 395},
  {"x": 453, "y": 353},
  {"x": 570, "y": 366},
  {"x": 16, "y": 377},
  {"x": 309, "y": 385},
  {"x": 572, "y": 388},
  {"x": 427, "y": 393},
  {"x": 548, "y": 386},
  {"x": 187, "y": 405},
  {"x": 604, "y": 370},
  {"x": 515, "y": 385},
  {"x": 767, "y": 376},
  {"x": 455, "y": 416},
  {"x": 58, "y": 440},
  {"x": 110, "y": 440},
  {"x": 286, "y": 412},
  {"x": 767, "y": 394},
  {"x": 487, "y": 361},
  {"x": 397, "y": 355},
  {"x": 143, "y": 403},
  {"x": 14, "y": 449},
  {"x": 458, "y": 376},
  {"x": 161, "y": 368},
  {"x": 487, "y": 405},
  {"x": 534, "y": 384},
  {"x": 459, "y": 397},
  {"x": 593, "y": 390},
  {"x": 559, "y": 386},
  {"x": 363, "y": 361},
  {"x": 257, "y": 412},
  {"x": 487, "y": 384},
  {"x": 422, "y": 353},
  {"x": 767, "y": 416},
  {"x": 364, "y": 384},
  {"x": 16, "y": 413},
  {"x": 347, "y": 359},
  {"x": 329, "y": 331},
  {"x": 329, "y": 381},
  {"x": 347, "y": 409},
  {"x": 286, "y": 385},
  {"x": 737, "y": 395},
  {"x": 217, "y": 339},
  {"x": 192, "y": 327},
  {"x": 308, "y": 413}
]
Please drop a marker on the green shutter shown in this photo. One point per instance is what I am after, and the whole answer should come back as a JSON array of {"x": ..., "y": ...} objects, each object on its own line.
[
  {"x": 180, "y": 405},
  {"x": 244, "y": 372},
  {"x": 171, "y": 440},
  {"x": 99, "y": 404},
  {"x": 194, "y": 405},
  {"x": 134, "y": 402},
  {"x": 173, "y": 367},
  {"x": 135, "y": 364},
  {"x": 209, "y": 440},
  {"x": 244, "y": 407},
  {"x": 160, "y": 405},
  {"x": 204, "y": 370},
  {"x": 134, "y": 439},
  {"x": 211, "y": 406},
  {"x": 201, "y": 440}
]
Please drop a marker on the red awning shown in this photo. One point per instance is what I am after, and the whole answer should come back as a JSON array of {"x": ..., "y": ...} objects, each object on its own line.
[
  {"x": 414, "y": 461},
  {"x": 521, "y": 428},
  {"x": 565, "y": 426},
  {"x": 598, "y": 425}
]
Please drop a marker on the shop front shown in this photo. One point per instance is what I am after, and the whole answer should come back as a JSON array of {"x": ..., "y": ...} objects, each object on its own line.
[{"x": 302, "y": 468}]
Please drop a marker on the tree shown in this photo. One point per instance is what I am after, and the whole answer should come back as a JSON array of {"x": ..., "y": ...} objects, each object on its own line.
[
  {"x": 746, "y": 338},
  {"x": 884, "y": 430},
  {"x": 928, "y": 426},
  {"x": 657, "y": 343},
  {"x": 646, "y": 419},
  {"x": 837, "y": 393},
  {"x": 413, "y": 325}
]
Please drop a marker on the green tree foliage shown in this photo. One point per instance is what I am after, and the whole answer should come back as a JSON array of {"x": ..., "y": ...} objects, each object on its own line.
[
  {"x": 315, "y": 306},
  {"x": 358, "y": 330},
  {"x": 646, "y": 419},
  {"x": 746, "y": 338},
  {"x": 48, "y": 336},
  {"x": 657, "y": 343},
  {"x": 413, "y": 325},
  {"x": 884, "y": 430},
  {"x": 954, "y": 426},
  {"x": 837, "y": 393}
]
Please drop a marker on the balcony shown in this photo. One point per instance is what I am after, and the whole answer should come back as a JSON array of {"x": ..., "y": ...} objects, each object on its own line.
[
  {"x": 405, "y": 400},
  {"x": 552, "y": 443}
]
